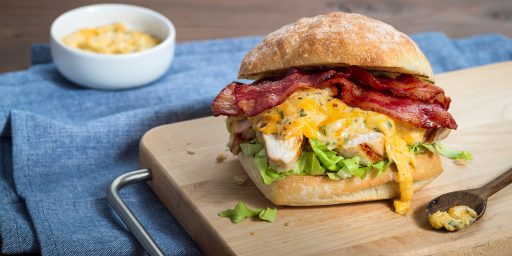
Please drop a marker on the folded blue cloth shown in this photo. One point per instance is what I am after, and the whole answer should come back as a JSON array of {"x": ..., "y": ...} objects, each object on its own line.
[{"x": 61, "y": 145}]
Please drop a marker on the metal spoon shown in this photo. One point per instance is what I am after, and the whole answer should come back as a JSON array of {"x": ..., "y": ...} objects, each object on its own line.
[{"x": 474, "y": 198}]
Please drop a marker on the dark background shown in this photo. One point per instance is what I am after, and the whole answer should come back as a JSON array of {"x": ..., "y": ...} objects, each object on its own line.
[{"x": 23, "y": 22}]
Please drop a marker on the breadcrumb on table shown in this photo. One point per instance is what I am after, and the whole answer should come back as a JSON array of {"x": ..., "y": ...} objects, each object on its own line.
[
  {"x": 239, "y": 179},
  {"x": 460, "y": 162},
  {"x": 221, "y": 157}
]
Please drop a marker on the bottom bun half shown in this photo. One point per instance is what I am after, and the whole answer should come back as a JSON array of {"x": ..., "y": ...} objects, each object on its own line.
[{"x": 320, "y": 190}]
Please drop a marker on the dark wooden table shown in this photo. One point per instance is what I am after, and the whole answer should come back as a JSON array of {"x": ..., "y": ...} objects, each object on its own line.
[{"x": 23, "y": 22}]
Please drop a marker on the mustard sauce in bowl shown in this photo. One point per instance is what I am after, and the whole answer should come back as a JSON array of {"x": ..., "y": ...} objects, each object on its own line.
[{"x": 110, "y": 39}]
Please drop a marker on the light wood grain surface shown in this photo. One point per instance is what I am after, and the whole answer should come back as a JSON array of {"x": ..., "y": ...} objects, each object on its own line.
[
  {"x": 195, "y": 188},
  {"x": 28, "y": 21}
]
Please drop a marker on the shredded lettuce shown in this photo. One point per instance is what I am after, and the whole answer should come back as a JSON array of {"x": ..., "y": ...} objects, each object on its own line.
[
  {"x": 311, "y": 163},
  {"x": 250, "y": 148},
  {"x": 339, "y": 167},
  {"x": 453, "y": 154},
  {"x": 328, "y": 157},
  {"x": 268, "y": 175},
  {"x": 242, "y": 212},
  {"x": 421, "y": 148},
  {"x": 381, "y": 166},
  {"x": 352, "y": 167},
  {"x": 333, "y": 176},
  {"x": 319, "y": 160}
]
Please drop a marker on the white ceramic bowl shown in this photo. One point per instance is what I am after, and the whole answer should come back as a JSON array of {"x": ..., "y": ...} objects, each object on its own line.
[{"x": 120, "y": 71}]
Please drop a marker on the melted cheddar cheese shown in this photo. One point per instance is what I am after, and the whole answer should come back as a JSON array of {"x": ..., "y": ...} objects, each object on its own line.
[{"x": 316, "y": 115}]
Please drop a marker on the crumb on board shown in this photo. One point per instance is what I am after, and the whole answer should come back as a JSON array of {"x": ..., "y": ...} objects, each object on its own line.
[
  {"x": 190, "y": 151},
  {"x": 253, "y": 233},
  {"x": 288, "y": 223},
  {"x": 189, "y": 143},
  {"x": 460, "y": 162},
  {"x": 239, "y": 179},
  {"x": 221, "y": 157}
]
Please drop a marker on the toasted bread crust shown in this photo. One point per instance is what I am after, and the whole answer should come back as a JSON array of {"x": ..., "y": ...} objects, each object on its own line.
[
  {"x": 320, "y": 190},
  {"x": 335, "y": 40}
]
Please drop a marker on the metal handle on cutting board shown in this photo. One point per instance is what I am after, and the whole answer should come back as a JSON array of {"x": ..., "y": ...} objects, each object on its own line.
[{"x": 126, "y": 214}]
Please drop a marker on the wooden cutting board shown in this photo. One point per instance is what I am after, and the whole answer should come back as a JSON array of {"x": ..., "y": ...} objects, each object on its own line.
[{"x": 194, "y": 187}]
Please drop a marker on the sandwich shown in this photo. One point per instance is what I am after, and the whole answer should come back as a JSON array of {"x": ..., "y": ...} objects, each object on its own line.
[{"x": 343, "y": 108}]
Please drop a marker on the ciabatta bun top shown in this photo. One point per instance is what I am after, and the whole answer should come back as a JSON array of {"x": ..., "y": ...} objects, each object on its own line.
[{"x": 335, "y": 40}]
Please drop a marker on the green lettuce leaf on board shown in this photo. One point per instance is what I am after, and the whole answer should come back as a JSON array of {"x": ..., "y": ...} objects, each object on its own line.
[
  {"x": 268, "y": 214},
  {"x": 242, "y": 212}
]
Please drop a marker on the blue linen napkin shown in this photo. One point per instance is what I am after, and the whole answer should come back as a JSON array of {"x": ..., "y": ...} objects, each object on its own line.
[{"x": 61, "y": 145}]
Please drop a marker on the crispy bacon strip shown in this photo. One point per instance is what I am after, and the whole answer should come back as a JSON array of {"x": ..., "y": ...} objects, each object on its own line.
[
  {"x": 406, "y": 97},
  {"x": 406, "y": 86},
  {"x": 417, "y": 113},
  {"x": 225, "y": 103},
  {"x": 254, "y": 99},
  {"x": 409, "y": 86}
]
